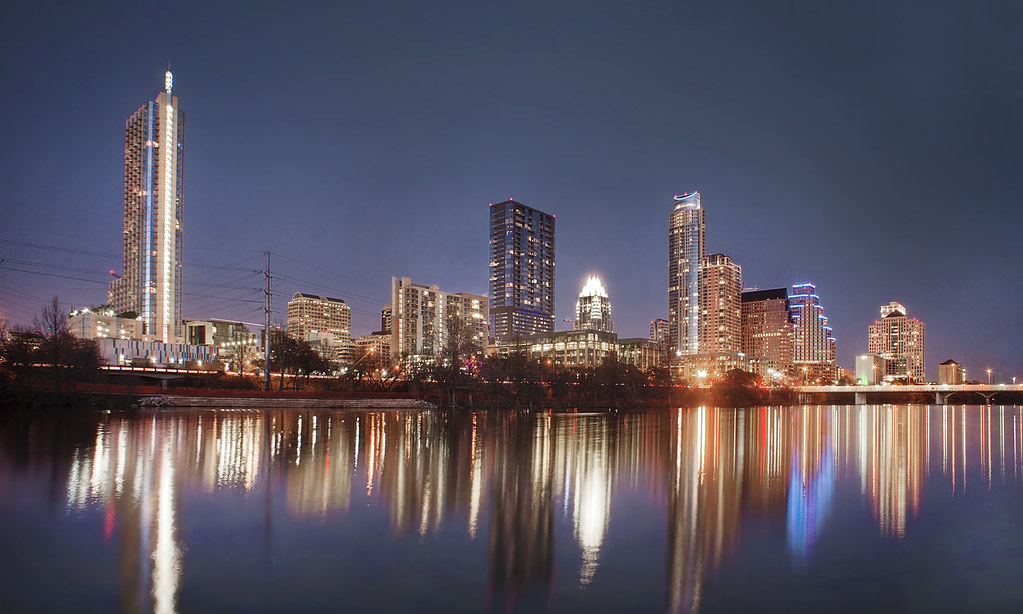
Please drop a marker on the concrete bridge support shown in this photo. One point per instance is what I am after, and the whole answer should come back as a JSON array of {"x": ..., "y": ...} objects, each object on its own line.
[{"x": 861, "y": 398}]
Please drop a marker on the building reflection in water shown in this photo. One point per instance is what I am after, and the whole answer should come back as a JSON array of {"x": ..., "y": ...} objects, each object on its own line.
[{"x": 513, "y": 476}]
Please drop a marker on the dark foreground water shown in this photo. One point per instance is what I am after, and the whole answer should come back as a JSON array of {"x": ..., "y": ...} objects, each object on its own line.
[{"x": 811, "y": 509}]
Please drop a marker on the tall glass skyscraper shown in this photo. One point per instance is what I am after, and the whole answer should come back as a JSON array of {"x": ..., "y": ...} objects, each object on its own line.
[
  {"x": 154, "y": 156},
  {"x": 686, "y": 247},
  {"x": 521, "y": 270}
]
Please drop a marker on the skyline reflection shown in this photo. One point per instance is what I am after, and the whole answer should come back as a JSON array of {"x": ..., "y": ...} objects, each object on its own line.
[{"x": 537, "y": 491}]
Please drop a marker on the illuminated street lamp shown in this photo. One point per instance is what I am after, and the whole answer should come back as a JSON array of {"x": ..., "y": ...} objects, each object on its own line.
[{"x": 989, "y": 377}]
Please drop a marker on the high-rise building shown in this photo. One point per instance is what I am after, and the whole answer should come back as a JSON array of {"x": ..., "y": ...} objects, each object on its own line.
[
  {"x": 521, "y": 270},
  {"x": 154, "y": 164},
  {"x": 720, "y": 299},
  {"x": 951, "y": 372},
  {"x": 813, "y": 344},
  {"x": 767, "y": 327},
  {"x": 593, "y": 309},
  {"x": 310, "y": 314},
  {"x": 686, "y": 247},
  {"x": 899, "y": 341},
  {"x": 659, "y": 330},
  {"x": 422, "y": 317}
]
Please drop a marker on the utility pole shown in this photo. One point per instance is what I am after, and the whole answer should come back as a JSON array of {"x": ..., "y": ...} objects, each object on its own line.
[{"x": 266, "y": 328}]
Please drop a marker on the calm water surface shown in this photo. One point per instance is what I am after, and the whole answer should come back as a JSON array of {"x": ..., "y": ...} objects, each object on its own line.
[{"x": 858, "y": 509}]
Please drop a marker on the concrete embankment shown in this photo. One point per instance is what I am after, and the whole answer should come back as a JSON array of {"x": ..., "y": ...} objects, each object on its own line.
[{"x": 176, "y": 401}]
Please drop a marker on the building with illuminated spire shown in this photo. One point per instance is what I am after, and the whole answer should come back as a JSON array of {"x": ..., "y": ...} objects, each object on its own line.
[
  {"x": 154, "y": 154},
  {"x": 593, "y": 309},
  {"x": 686, "y": 248}
]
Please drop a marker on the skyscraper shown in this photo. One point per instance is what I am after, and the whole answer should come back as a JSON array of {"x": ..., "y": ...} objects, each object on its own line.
[
  {"x": 686, "y": 247},
  {"x": 899, "y": 341},
  {"x": 593, "y": 309},
  {"x": 813, "y": 345},
  {"x": 720, "y": 323},
  {"x": 154, "y": 156},
  {"x": 521, "y": 270},
  {"x": 767, "y": 327}
]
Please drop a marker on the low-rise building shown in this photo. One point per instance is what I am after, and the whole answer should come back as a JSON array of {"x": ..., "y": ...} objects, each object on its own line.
[
  {"x": 138, "y": 352},
  {"x": 639, "y": 352},
  {"x": 103, "y": 324},
  {"x": 869, "y": 369}
]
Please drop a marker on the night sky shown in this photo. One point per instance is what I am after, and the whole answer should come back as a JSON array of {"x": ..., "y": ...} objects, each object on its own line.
[{"x": 874, "y": 148}]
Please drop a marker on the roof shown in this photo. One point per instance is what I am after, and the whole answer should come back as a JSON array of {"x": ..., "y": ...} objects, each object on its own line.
[
  {"x": 317, "y": 297},
  {"x": 763, "y": 295},
  {"x": 949, "y": 362}
]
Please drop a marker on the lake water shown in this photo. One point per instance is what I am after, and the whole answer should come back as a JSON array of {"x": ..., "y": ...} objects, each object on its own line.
[{"x": 806, "y": 509}]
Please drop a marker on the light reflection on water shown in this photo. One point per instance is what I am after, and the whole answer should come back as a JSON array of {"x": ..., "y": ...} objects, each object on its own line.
[{"x": 534, "y": 496}]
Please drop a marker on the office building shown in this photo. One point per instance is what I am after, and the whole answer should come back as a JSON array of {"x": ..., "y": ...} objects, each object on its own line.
[
  {"x": 91, "y": 324},
  {"x": 385, "y": 319},
  {"x": 150, "y": 282},
  {"x": 573, "y": 348},
  {"x": 424, "y": 317},
  {"x": 310, "y": 313},
  {"x": 951, "y": 372},
  {"x": 593, "y": 308},
  {"x": 639, "y": 352},
  {"x": 521, "y": 270},
  {"x": 720, "y": 299},
  {"x": 767, "y": 327},
  {"x": 899, "y": 341},
  {"x": 686, "y": 248},
  {"x": 813, "y": 344}
]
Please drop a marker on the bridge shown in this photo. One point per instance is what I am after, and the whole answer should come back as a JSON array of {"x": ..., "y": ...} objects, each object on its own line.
[{"x": 942, "y": 392}]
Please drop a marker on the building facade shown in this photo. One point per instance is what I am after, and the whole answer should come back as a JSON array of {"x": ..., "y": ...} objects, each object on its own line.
[
  {"x": 89, "y": 324},
  {"x": 659, "y": 330},
  {"x": 639, "y": 352},
  {"x": 521, "y": 270},
  {"x": 686, "y": 248},
  {"x": 900, "y": 341},
  {"x": 951, "y": 372},
  {"x": 813, "y": 344},
  {"x": 720, "y": 294},
  {"x": 573, "y": 348},
  {"x": 767, "y": 327},
  {"x": 310, "y": 313},
  {"x": 423, "y": 316},
  {"x": 593, "y": 308},
  {"x": 869, "y": 369},
  {"x": 154, "y": 156}
]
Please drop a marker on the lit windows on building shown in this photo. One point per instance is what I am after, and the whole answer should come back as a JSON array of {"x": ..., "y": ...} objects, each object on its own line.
[
  {"x": 767, "y": 327},
  {"x": 813, "y": 344},
  {"x": 521, "y": 270},
  {"x": 150, "y": 283},
  {"x": 686, "y": 247},
  {"x": 899, "y": 341},
  {"x": 593, "y": 308},
  {"x": 422, "y": 317},
  {"x": 720, "y": 299}
]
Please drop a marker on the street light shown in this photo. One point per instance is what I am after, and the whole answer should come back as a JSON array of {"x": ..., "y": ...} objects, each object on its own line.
[{"x": 989, "y": 377}]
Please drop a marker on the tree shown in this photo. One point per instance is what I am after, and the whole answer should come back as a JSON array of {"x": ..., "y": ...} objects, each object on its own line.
[{"x": 451, "y": 368}]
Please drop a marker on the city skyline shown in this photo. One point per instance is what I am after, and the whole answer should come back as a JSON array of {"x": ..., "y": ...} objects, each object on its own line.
[{"x": 874, "y": 187}]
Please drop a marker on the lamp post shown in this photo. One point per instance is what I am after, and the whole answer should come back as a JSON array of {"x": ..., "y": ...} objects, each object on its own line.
[{"x": 989, "y": 377}]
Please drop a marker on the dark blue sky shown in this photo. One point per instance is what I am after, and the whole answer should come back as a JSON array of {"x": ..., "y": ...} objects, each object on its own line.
[{"x": 873, "y": 148}]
